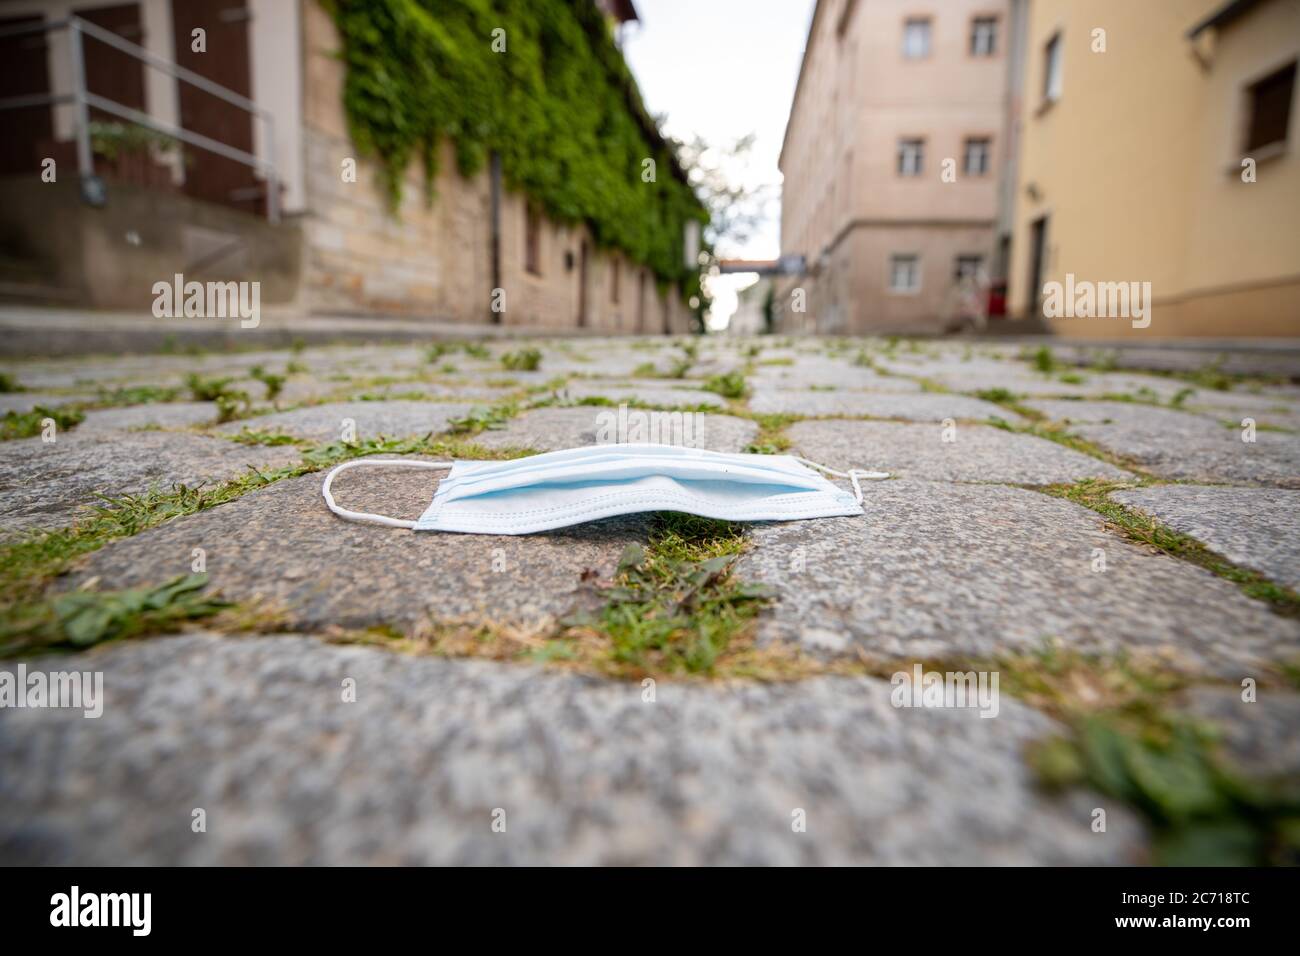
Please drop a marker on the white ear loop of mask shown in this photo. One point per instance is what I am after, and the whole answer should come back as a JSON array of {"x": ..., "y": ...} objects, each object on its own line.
[
  {"x": 854, "y": 475},
  {"x": 366, "y": 516}
]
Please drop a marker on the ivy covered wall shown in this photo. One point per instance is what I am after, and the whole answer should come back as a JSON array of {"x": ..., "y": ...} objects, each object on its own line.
[{"x": 559, "y": 106}]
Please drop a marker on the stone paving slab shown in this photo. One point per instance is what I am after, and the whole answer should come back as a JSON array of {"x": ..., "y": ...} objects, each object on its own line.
[
  {"x": 805, "y": 374},
  {"x": 552, "y": 429},
  {"x": 978, "y": 453},
  {"x": 281, "y": 546},
  {"x": 301, "y": 389},
  {"x": 324, "y": 423},
  {"x": 46, "y": 485},
  {"x": 254, "y": 731},
  {"x": 920, "y": 407},
  {"x": 936, "y": 571},
  {"x": 1264, "y": 400},
  {"x": 432, "y": 392},
  {"x": 153, "y": 415},
  {"x": 1256, "y": 528},
  {"x": 1021, "y": 379},
  {"x": 1176, "y": 357},
  {"x": 1130, "y": 414},
  {"x": 26, "y": 401},
  {"x": 651, "y": 393},
  {"x": 598, "y": 363},
  {"x": 1139, "y": 415},
  {"x": 1174, "y": 444},
  {"x": 1268, "y": 409}
]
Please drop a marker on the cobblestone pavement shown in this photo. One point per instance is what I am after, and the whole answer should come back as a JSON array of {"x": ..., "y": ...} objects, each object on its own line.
[{"x": 1107, "y": 535}]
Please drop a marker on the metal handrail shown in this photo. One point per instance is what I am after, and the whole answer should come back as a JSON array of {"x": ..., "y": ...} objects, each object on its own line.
[{"x": 82, "y": 99}]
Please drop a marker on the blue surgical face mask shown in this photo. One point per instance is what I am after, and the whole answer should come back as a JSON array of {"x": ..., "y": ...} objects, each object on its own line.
[{"x": 562, "y": 488}]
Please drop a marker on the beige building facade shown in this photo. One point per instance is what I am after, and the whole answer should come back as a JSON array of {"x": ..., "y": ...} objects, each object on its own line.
[
  {"x": 1159, "y": 145},
  {"x": 891, "y": 162}
]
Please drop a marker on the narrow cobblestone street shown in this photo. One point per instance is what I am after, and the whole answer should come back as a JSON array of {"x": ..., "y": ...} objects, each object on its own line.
[{"x": 1107, "y": 531}]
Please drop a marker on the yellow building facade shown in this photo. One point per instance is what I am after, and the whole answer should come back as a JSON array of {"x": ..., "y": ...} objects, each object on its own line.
[{"x": 1160, "y": 149}]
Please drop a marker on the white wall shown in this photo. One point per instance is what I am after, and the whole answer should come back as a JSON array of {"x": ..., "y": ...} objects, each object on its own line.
[{"x": 276, "y": 57}]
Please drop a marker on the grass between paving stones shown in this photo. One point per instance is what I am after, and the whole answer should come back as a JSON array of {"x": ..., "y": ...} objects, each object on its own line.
[
  {"x": 771, "y": 438},
  {"x": 1141, "y": 528},
  {"x": 15, "y": 424},
  {"x": 26, "y": 565},
  {"x": 672, "y": 610},
  {"x": 1202, "y": 812},
  {"x": 524, "y": 360},
  {"x": 1124, "y": 736},
  {"x": 1259, "y": 427},
  {"x": 482, "y": 418},
  {"x": 81, "y": 619},
  {"x": 263, "y": 438},
  {"x": 673, "y": 607},
  {"x": 728, "y": 385},
  {"x": 600, "y": 401},
  {"x": 1039, "y": 426},
  {"x": 135, "y": 395}
]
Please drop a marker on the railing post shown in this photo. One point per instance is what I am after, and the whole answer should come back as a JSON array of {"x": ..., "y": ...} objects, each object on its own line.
[
  {"x": 85, "y": 161},
  {"x": 272, "y": 177},
  {"x": 272, "y": 195}
]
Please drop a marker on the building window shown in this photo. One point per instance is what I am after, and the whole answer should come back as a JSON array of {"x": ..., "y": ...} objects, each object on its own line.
[
  {"x": 904, "y": 273},
  {"x": 1269, "y": 102},
  {"x": 916, "y": 38},
  {"x": 1052, "y": 70},
  {"x": 613, "y": 282},
  {"x": 975, "y": 157},
  {"x": 969, "y": 267},
  {"x": 984, "y": 36},
  {"x": 532, "y": 240},
  {"x": 911, "y": 157}
]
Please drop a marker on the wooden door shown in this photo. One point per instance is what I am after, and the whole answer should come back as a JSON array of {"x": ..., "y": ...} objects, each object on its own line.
[
  {"x": 110, "y": 72},
  {"x": 24, "y": 71},
  {"x": 226, "y": 61}
]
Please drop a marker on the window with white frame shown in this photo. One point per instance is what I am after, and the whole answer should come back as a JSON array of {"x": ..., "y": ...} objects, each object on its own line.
[
  {"x": 1052, "y": 70},
  {"x": 969, "y": 266},
  {"x": 904, "y": 273},
  {"x": 916, "y": 38},
  {"x": 911, "y": 157},
  {"x": 975, "y": 156},
  {"x": 984, "y": 36}
]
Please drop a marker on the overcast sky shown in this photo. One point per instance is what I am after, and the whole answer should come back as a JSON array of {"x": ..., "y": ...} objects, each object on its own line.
[{"x": 723, "y": 68}]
